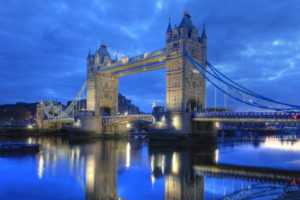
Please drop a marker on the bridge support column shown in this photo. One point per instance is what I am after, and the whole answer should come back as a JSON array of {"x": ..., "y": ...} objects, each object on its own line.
[
  {"x": 117, "y": 129},
  {"x": 181, "y": 122},
  {"x": 186, "y": 88},
  {"x": 91, "y": 124},
  {"x": 102, "y": 94}
]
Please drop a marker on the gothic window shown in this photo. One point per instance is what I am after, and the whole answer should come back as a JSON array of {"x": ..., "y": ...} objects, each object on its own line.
[
  {"x": 175, "y": 45},
  {"x": 194, "y": 84}
]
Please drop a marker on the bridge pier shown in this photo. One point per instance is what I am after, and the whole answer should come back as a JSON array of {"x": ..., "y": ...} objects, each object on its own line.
[
  {"x": 117, "y": 129},
  {"x": 181, "y": 122},
  {"x": 91, "y": 124},
  {"x": 95, "y": 125}
]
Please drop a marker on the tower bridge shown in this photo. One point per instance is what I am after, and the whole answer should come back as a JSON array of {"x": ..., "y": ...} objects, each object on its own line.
[
  {"x": 187, "y": 71},
  {"x": 185, "y": 89}
]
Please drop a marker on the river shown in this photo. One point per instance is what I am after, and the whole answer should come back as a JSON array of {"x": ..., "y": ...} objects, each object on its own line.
[{"x": 135, "y": 169}]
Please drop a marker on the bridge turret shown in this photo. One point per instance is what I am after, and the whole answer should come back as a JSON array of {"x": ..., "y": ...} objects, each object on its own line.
[
  {"x": 88, "y": 59},
  {"x": 104, "y": 55},
  {"x": 175, "y": 31},
  {"x": 194, "y": 34},
  {"x": 116, "y": 58},
  {"x": 204, "y": 36},
  {"x": 203, "y": 40},
  {"x": 169, "y": 31},
  {"x": 97, "y": 57},
  {"x": 186, "y": 25},
  {"x": 185, "y": 88}
]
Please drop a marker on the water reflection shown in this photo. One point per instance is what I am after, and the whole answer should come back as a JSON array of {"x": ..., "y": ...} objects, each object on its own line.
[
  {"x": 176, "y": 165},
  {"x": 281, "y": 144},
  {"x": 235, "y": 168}
]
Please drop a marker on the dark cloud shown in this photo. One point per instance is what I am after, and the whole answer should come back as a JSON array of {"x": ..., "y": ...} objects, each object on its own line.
[{"x": 44, "y": 44}]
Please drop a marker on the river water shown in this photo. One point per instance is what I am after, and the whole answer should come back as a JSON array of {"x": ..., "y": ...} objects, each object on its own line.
[{"x": 234, "y": 168}]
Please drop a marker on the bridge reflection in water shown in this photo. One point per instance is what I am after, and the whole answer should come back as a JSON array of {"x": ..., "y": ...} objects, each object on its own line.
[{"x": 188, "y": 173}]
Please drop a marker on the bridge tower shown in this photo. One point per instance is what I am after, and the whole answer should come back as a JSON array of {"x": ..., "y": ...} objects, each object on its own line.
[
  {"x": 102, "y": 92},
  {"x": 186, "y": 88}
]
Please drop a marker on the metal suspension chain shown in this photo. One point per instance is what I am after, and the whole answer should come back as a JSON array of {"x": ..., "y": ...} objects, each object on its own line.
[{"x": 245, "y": 97}]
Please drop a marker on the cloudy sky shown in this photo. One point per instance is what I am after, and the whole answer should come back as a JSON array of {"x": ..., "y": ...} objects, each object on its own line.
[{"x": 44, "y": 44}]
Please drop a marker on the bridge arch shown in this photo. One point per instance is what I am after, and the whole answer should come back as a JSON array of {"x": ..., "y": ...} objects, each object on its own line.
[{"x": 105, "y": 111}]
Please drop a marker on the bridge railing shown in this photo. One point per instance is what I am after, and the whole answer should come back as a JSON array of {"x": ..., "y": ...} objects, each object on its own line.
[
  {"x": 106, "y": 120},
  {"x": 287, "y": 115},
  {"x": 127, "y": 116}
]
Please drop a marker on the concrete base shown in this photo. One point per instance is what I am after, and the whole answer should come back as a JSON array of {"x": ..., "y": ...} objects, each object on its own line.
[
  {"x": 181, "y": 123},
  {"x": 120, "y": 129},
  {"x": 93, "y": 125},
  {"x": 90, "y": 124}
]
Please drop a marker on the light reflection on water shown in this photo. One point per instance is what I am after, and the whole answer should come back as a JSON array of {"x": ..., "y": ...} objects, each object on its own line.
[{"x": 135, "y": 169}]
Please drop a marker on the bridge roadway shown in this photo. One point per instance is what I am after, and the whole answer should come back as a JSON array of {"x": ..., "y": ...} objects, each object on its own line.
[
  {"x": 256, "y": 174},
  {"x": 267, "y": 117},
  {"x": 145, "y": 62},
  {"x": 60, "y": 120},
  {"x": 118, "y": 119}
]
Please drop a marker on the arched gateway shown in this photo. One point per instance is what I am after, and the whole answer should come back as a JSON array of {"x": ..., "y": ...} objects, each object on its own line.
[{"x": 186, "y": 88}]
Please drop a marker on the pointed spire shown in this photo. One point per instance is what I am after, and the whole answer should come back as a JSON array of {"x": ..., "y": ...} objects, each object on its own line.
[
  {"x": 96, "y": 52},
  {"x": 203, "y": 32},
  {"x": 187, "y": 13},
  {"x": 103, "y": 44},
  {"x": 89, "y": 55},
  {"x": 186, "y": 21},
  {"x": 169, "y": 30},
  {"x": 117, "y": 57}
]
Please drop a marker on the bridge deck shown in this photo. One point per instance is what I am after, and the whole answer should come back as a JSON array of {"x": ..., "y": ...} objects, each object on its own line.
[
  {"x": 145, "y": 62},
  {"x": 107, "y": 120},
  {"x": 269, "y": 117},
  {"x": 248, "y": 173}
]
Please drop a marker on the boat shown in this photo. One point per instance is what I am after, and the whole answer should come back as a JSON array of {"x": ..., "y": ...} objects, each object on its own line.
[{"x": 19, "y": 148}]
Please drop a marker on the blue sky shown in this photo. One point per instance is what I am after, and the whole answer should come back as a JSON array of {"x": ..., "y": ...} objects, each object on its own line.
[{"x": 44, "y": 44}]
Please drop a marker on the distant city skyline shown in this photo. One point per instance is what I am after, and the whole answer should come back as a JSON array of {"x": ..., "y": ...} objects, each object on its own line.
[{"x": 43, "y": 46}]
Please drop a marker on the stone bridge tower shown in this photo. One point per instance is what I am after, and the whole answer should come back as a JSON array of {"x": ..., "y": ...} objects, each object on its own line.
[
  {"x": 186, "y": 88},
  {"x": 102, "y": 93}
]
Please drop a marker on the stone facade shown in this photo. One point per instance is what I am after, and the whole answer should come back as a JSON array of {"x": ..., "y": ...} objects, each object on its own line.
[
  {"x": 102, "y": 93},
  {"x": 186, "y": 88}
]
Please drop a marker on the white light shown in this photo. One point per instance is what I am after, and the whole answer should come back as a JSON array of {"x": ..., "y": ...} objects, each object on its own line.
[
  {"x": 176, "y": 122},
  {"x": 41, "y": 166},
  {"x": 90, "y": 173},
  {"x": 29, "y": 126},
  {"x": 128, "y": 125},
  {"x": 216, "y": 155},
  {"x": 163, "y": 164},
  {"x": 195, "y": 71},
  {"x": 78, "y": 123},
  {"x": 217, "y": 124},
  {"x": 152, "y": 163},
  {"x": 152, "y": 179},
  {"x": 128, "y": 155},
  {"x": 175, "y": 163}
]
